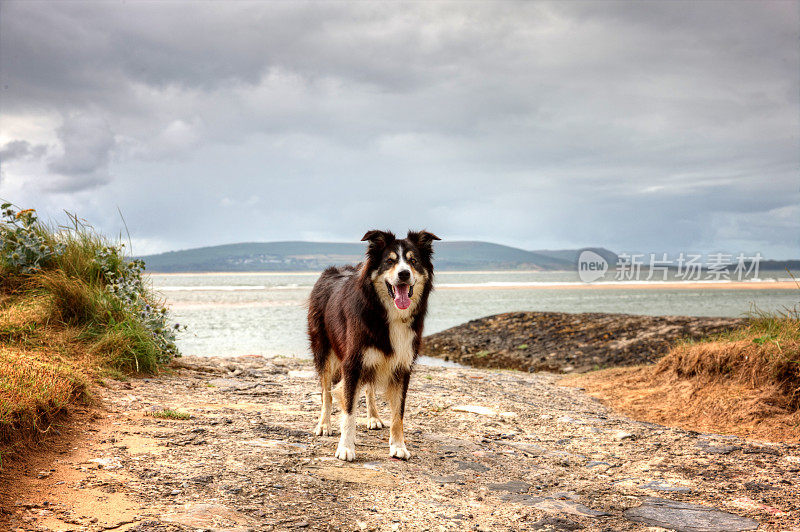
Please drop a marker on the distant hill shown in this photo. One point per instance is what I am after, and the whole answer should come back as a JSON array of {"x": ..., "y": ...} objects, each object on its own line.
[
  {"x": 571, "y": 255},
  {"x": 315, "y": 256},
  {"x": 776, "y": 265}
]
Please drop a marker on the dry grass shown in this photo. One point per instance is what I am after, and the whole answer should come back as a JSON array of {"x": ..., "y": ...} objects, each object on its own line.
[
  {"x": 35, "y": 387},
  {"x": 19, "y": 322},
  {"x": 51, "y": 348},
  {"x": 43, "y": 368},
  {"x": 746, "y": 382}
]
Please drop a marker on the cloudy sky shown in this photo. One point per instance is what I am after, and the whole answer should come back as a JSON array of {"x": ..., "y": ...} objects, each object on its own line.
[{"x": 639, "y": 126}]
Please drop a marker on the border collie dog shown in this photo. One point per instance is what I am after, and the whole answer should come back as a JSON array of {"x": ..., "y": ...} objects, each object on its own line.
[{"x": 365, "y": 326}]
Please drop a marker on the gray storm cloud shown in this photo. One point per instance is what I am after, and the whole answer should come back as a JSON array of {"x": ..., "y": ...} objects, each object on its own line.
[
  {"x": 20, "y": 149},
  {"x": 647, "y": 126},
  {"x": 87, "y": 143}
]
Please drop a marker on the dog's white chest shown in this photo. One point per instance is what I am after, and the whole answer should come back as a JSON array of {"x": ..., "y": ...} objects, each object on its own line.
[{"x": 401, "y": 337}]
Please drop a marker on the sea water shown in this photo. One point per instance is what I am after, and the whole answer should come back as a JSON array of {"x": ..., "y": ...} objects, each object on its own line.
[{"x": 233, "y": 314}]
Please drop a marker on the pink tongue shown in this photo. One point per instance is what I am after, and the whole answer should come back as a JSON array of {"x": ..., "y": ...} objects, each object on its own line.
[{"x": 401, "y": 299}]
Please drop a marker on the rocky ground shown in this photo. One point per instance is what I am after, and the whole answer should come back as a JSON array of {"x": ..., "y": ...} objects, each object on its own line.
[
  {"x": 492, "y": 450},
  {"x": 568, "y": 343}
]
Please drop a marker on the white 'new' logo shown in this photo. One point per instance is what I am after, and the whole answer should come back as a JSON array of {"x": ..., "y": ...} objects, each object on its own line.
[{"x": 591, "y": 266}]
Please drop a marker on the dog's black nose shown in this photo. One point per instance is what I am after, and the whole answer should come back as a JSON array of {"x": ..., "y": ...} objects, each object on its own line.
[{"x": 404, "y": 275}]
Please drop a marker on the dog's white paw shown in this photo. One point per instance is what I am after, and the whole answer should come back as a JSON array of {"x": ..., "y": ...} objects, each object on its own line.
[
  {"x": 375, "y": 423},
  {"x": 322, "y": 430},
  {"x": 399, "y": 451},
  {"x": 347, "y": 454}
]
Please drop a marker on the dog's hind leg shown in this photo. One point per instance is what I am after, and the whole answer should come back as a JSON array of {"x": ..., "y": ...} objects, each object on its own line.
[
  {"x": 396, "y": 394},
  {"x": 324, "y": 359},
  {"x": 373, "y": 417},
  {"x": 324, "y": 426},
  {"x": 347, "y": 393}
]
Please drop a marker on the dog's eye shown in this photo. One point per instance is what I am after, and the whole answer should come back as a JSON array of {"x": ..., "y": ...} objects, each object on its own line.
[
  {"x": 389, "y": 261},
  {"x": 413, "y": 261}
]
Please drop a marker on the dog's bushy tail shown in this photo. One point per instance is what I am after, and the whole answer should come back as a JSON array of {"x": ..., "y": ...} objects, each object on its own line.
[{"x": 317, "y": 335}]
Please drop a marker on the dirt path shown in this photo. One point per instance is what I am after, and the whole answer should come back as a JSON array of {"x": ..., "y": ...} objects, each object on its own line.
[{"x": 535, "y": 455}]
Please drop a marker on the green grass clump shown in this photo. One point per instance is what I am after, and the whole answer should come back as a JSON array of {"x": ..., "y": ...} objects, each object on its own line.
[
  {"x": 93, "y": 285},
  {"x": 72, "y": 306},
  {"x": 168, "y": 413},
  {"x": 775, "y": 327}
]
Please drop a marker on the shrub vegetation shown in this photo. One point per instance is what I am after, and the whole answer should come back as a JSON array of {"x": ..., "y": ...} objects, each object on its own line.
[{"x": 73, "y": 308}]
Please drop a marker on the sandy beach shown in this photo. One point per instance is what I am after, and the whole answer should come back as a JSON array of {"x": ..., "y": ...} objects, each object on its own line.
[{"x": 634, "y": 285}]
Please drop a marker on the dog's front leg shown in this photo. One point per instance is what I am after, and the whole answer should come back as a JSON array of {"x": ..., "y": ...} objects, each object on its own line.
[
  {"x": 351, "y": 374},
  {"x": 396, "y": 394}
]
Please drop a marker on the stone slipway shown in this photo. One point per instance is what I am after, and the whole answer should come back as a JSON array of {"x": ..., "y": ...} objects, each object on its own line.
[{"x": 492, "y": 450}]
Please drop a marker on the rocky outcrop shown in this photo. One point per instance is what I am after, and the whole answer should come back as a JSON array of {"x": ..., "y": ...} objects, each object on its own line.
[{"x": 568, "y": 343}]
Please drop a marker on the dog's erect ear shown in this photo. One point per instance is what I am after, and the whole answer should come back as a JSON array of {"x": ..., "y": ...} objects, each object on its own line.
[
  {"x": 378, "y": 239},
  {"x": 423, "y": 239}
]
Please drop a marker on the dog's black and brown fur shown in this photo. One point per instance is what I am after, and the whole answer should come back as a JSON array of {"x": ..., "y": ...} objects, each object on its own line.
[{"x": 365, "y": 326}]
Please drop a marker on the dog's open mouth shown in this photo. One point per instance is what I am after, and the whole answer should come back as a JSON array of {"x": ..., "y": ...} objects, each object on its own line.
[{"x": 401, "y": 294}]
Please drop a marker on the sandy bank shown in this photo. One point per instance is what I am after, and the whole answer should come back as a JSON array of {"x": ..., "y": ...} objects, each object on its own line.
[{"x": 723, "y": 285}]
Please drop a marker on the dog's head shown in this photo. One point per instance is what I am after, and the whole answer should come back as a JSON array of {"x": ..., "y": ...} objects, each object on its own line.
[{"x": 400, "y": 270}]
